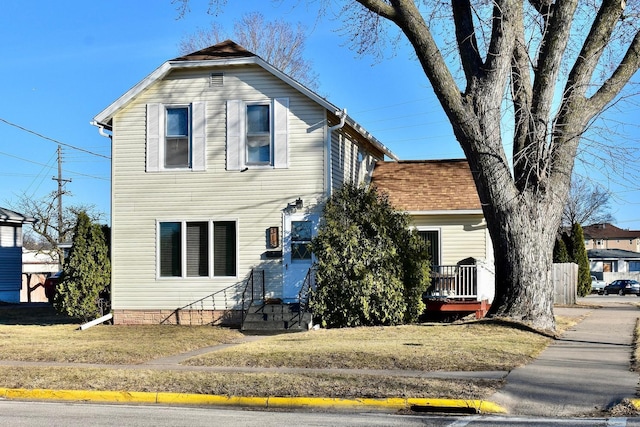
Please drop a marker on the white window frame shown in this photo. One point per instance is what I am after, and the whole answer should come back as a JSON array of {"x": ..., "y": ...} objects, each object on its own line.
[
  {"x": 248, "y": 135},
  {"x": 166, "y": 137},
  {"x": 156, "y": 137},
  {"x": 210, "y": 249},
  {"x": 236, "y": 154}
]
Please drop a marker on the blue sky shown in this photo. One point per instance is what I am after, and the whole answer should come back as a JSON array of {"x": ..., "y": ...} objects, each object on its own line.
[{"x": 65, "y": 61}]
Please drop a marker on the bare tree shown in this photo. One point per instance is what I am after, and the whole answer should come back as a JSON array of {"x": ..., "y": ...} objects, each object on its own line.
[
  {"x": 534, "y": 75},
  {"x": 587, "y": 204},
  {"x": 46, "y": 232},
  {"x": 279, "y": 43}
]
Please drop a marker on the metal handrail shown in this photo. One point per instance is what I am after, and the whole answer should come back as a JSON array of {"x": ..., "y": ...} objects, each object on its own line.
[
  {"x": 303, "y": 295},
  {"x": 251, "y": 281},
  {"x": 201, "y": 301},
  {"x": 308, "y": 284}
]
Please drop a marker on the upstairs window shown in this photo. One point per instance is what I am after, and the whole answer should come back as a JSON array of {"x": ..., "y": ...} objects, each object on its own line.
[
  {"x": 176, "y": 137},
  {"x": 257, "y": 134},
  {"x": 258, "y": 138},
  {"x": 177, "y": 143}
]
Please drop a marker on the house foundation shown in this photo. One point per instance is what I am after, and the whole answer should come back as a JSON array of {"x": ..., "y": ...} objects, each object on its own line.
[{"x": 177, "y": 317}]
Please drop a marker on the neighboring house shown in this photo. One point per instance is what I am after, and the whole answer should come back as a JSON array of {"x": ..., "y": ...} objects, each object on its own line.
[
  {"x": 36, "y": 267},
  {"x": 220, "y": 166},
  {"x": 608, "y": 236},
  {"x": 612, "y": 264},
  {"x": 11, "y": 254},
  {"x": 442, "y": 200}
]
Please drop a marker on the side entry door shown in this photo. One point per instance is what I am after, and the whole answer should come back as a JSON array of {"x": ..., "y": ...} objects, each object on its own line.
[{"x": 298, "y": 230}]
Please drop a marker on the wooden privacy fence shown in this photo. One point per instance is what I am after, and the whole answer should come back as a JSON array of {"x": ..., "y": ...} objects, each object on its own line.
[{"x": 565, "y": 283}]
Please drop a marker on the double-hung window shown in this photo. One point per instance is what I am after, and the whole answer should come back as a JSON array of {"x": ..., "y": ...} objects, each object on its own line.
[
  {"x": 177, "y": 148},
  {"x": 176, "y": 137},
  {"x": 258, "y": 134},
  {"x": 197, "y": 249}
]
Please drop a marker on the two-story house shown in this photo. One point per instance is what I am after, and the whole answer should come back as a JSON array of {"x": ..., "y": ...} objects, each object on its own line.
[
  {"x": 608, "y": 236},
  {"x": 220, "y": 167}
]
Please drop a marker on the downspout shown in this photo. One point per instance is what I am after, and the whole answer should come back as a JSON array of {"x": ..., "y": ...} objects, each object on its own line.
[
  {"x": 343, "y": 117},
  {"x": 100, "y": 129}
]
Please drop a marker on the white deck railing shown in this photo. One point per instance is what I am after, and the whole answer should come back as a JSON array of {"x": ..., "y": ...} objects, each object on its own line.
[{"x": 462, "y": 282}]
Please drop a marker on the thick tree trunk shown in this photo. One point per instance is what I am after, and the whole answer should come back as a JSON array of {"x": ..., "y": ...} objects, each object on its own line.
[{"x": 523, "y": 241}]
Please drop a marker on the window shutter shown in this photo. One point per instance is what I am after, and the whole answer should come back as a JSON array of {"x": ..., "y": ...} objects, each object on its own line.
[
  {"x": 235, "y": 137},
  {"x": 198, "y": 140},
  {"x": 281, "y": 133},
  {"x": 155, "y": 131}
]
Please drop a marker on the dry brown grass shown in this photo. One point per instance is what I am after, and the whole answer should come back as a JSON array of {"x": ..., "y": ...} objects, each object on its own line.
[
  {"x": 459, "y": 347},
  {"x": 464, "y": 346},
  {"x": 244, "y": 384},
  {"x": 105, "y": 344}
]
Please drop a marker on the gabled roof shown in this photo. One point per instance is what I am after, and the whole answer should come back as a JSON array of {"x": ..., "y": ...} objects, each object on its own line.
[
  {"x": 220, "y": 55},
  {"x": 428, "y": 185},
  {"x": 608, "y": 231},
  {"x": 8, "y": 216},
  {"x": 612, "y": 254},
  {"x": 225, "y": 50}
]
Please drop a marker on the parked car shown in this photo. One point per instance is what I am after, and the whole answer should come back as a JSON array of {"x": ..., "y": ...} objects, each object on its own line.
[
  {"x": 597, "y": 285},
  {"x": 623, "y": 287},
  {"x": 50, "y": 285}
]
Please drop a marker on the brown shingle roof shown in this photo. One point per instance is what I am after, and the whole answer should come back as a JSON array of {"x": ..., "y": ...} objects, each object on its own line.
[
  {"x": 223, "y": 50},
  {"x": 608, "y": 231},
  {"x": 427, "y": 185}
]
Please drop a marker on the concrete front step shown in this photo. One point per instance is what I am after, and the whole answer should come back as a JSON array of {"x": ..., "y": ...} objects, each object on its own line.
[{"x": 276, "y": 317}]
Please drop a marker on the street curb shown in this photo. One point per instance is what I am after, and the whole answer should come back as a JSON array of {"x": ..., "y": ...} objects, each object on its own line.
[{"x": 396, "y": 404}]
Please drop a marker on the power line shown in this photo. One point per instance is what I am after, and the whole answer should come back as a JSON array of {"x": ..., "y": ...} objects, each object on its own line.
[
  {"x": 52, "y": 140},
  {"x": 49, "y": 167}
]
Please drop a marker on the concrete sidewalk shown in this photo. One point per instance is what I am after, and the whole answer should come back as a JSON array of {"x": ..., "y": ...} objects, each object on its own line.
[{"x": 586, "y": 370}]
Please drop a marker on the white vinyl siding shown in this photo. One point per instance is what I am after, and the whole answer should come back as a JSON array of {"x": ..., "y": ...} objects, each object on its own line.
[
  {"x": 349, "y": 163},
  {"x": 461, "y": 236},
  {"x": 254, "y": 199}
]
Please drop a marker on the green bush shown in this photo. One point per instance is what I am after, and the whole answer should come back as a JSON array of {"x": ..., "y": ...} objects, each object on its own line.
[
  {"x": 86, "y": 274},
  {"x": 371, "y": 269},
  {"x": 579, "y": 256}
]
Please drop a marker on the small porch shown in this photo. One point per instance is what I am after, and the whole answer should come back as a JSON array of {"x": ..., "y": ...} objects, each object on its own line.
[{"x": 458, "y": 290}]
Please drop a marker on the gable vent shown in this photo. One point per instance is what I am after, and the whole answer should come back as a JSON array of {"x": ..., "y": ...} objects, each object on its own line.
[{"x": 216, "y": 79}]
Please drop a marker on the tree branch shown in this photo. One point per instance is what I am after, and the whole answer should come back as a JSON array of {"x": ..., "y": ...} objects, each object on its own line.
[
  {"x": 551, "y": 52},
  {"x": 466, "y": 38},
  {"x": 380, "y": 7},
  {"x": 620, "y": 77}
]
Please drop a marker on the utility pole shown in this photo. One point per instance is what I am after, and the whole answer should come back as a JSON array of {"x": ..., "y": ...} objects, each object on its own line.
[{"x": 61, "y": 183}]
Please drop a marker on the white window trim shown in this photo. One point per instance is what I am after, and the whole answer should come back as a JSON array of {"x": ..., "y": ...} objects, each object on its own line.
[
  {"x": 183, "y": 253},
  {"x": 245, "y": 135},
  {"x": 156, "y": 137},
  {"x": 236, "y": 134},
  {"x": 164, "y": 135}
]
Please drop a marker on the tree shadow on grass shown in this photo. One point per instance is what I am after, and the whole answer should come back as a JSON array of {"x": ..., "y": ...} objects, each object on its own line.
[{"x": 37, "y": 313}]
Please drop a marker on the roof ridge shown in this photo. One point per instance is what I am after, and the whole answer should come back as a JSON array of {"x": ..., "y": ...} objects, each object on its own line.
[{"x": 222, "y": 50}]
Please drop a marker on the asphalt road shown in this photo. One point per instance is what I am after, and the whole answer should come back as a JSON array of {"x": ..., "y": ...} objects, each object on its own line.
[{"x": 52, "y": 414}]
